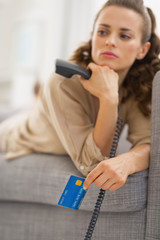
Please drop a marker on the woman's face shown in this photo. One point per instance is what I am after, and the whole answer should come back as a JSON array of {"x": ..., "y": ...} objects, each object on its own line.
[{"x": 116, "y": 38}]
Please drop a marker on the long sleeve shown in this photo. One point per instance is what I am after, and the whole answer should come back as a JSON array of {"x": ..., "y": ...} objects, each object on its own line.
[
  {"x": 69, "y": 109},
  {"x": 139, "y": 126}
]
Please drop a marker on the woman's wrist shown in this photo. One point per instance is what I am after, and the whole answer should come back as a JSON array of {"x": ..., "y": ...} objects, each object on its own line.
[
  {"x": 137, "y": 159},
  {"x": 128, "y": 162},
  {"x": 111, "y": 99}
]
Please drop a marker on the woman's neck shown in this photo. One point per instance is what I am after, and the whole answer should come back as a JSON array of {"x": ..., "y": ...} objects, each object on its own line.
[{"x": 122, "y": 75}]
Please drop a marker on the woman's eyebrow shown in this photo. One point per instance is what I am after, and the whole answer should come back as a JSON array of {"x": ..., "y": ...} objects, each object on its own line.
[
  {"x": 122, "y": 29},
  {"x": 126, "y": 30},
  {"x": 104, "y": 25}
]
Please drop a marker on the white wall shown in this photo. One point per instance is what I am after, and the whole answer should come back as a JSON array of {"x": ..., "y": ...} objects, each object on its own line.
[{"x": 36, "y": 32}]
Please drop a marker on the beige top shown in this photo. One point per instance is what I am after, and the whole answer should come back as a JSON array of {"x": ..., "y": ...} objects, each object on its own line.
[{"x": 62, "y": 122}]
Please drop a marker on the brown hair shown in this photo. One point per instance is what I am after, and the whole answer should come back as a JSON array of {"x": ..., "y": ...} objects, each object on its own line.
[{"x": 138, "y": 81}]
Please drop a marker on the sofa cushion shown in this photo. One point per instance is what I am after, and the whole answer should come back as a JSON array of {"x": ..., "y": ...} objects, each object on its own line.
[{"x": 41, "y": 178}]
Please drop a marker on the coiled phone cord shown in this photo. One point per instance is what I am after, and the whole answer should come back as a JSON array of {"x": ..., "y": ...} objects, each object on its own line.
[{"x": 101, "y": 195}]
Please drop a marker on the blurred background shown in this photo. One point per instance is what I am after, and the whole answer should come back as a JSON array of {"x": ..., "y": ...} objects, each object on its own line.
[{"x": 33, "y": 33}]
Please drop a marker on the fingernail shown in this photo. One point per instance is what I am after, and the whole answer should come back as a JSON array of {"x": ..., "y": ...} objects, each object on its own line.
[{"x": 84, "y": 188}]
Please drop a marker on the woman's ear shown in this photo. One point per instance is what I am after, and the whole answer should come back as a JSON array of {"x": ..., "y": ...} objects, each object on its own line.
[{"x": 144, "y": 50}]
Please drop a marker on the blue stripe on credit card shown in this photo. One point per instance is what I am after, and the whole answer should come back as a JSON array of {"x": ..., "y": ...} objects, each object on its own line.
[{"x": 73, "y": 193}]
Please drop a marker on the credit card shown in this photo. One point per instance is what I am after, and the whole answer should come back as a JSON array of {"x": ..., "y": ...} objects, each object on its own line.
[{"x": 73, "y": 193}]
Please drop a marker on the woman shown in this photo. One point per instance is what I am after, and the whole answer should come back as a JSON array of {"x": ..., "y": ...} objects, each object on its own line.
[{"x": 78, "y": 117}]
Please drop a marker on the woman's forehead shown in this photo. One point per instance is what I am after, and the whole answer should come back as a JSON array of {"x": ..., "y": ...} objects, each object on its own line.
[{"x": 120, "y": 17}]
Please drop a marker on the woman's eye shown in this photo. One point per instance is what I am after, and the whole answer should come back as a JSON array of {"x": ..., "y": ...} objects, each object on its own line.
[
  {"x": 125, "y": 36},
  {"x": 102, "y": 33}
]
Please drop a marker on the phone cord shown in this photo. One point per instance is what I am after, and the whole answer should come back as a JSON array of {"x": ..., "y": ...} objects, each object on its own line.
[{"x": 101, "y": 195}]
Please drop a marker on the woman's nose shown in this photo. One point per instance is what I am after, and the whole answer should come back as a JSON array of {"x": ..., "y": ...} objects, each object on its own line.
[{"x": 111, "y": 41}]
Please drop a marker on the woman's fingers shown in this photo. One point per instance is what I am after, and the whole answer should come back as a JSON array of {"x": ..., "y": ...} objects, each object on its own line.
[
  {"x": 92, "y": 176},
  {"x": 101, "y": 180},
  {"x": 103, "y": 81},
  {"x": 112, "y": 185},
  {"x": 107, "y": 175}
]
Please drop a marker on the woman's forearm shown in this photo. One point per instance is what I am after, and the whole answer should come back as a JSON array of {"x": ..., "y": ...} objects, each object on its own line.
[
  {"x": 137, "y": 159},
  {"x": 103, "y": 85},
  {"x": 105, "y": 125}
]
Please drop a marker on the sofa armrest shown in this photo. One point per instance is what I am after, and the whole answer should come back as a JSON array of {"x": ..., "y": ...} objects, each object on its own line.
[{"x": 153, "y": 208}]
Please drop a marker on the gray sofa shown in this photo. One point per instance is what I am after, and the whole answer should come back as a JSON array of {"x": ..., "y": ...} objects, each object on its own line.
[{"x": 31, "y": 186}]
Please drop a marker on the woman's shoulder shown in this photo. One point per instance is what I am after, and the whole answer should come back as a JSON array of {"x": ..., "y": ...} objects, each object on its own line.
[
  {"x": 62, "y": 89},
  {"x": 62, "y": 85}
]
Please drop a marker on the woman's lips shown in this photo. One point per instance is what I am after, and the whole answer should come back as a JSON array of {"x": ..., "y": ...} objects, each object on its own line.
[{"x": 109, "y": 55}]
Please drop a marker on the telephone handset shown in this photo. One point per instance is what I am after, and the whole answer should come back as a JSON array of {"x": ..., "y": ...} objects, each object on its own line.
[{"x": 68, "y": 69}]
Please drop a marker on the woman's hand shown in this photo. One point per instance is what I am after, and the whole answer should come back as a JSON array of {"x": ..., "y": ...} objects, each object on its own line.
[
  {"x": 112, "y": 173},
  {"x": 102, "y": 83},
  {"x": 109, "y": 174}
]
